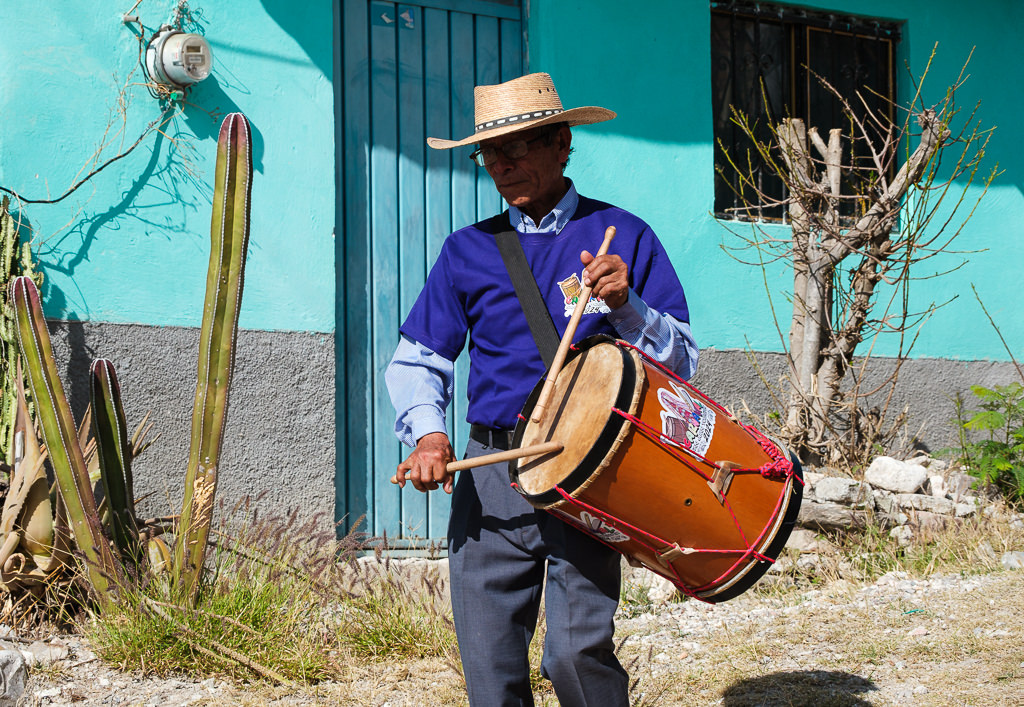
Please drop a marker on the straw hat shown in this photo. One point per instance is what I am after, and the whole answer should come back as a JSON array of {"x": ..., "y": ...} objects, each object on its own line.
[{"x": 520, "y": 104}]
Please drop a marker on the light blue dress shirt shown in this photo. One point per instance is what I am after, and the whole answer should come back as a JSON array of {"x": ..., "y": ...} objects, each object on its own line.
[{"x": 421, "y": 382}]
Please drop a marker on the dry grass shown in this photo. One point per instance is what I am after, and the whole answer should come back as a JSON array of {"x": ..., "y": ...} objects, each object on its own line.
[
  {"x": 282, "y": 603},
  {"x": 825, "y": 634},
  {"x": 969, "y": 652}
]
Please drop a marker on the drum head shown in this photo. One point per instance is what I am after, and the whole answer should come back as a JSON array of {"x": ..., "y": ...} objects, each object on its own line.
[{"x": 599, "y": 376}]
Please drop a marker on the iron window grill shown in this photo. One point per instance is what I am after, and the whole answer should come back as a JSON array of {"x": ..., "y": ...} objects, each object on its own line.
[{"x": 764, "y": 62}]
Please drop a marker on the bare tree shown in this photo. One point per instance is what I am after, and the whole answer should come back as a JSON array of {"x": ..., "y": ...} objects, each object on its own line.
[{"x": 865, "y": 209}]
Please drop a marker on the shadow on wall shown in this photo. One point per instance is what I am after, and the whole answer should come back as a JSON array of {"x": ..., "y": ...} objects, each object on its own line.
[
  {"x": 304, "y": 22},
  {"x": 167, "y": 173},
  {"x": 205, "y": 123},
  {"x": 61, "y": 258}
]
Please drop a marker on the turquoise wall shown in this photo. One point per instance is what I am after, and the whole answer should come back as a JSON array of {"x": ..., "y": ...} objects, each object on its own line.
[
  {"x": 132, "y": 245},
  {"x": 650, "y": 62}
]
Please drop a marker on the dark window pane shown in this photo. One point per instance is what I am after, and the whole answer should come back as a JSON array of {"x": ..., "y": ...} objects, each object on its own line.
[{"x": 765, "y": 63}]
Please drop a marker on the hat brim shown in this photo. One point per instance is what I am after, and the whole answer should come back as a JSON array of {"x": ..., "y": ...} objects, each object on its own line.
[{"x": 584, "y": 115}]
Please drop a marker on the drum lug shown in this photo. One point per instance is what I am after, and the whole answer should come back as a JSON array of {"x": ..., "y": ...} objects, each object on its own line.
[
  {"x": 673, "y": 552},
  {"x": 722, "y": 479}
]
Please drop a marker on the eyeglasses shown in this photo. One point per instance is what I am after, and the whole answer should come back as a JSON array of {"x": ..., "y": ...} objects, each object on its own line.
[{"x": 515, "y": 150}]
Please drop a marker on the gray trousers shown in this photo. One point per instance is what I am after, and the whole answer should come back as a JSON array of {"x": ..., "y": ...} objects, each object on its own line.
[{"x": 499, "y": 550}]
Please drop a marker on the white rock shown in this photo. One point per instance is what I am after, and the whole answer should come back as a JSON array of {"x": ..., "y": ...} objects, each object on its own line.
[
  {"x": 15, "y": 674},
  {"x": 958, "y": 484},
  {"x": 894, "y": 475},
  {"x": 937, "y": 486},
  {"x": 811, "y": 478},
  {"x": 963, "y": 510},
  {"x": 40, "y": 653},
  {"x": 808, "y": 541},
  {"x": 807, "y": 561},
  {"x": 842, "y": 490},
  {"x": 930, "y": 504},
  {"x": 902, "y": 534},
  {"x": 1013, "y": 560},
  {"x": 830, "y": 516}
]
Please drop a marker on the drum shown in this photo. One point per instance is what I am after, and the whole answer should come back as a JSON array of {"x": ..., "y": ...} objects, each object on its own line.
[{"x": 658, "y": 471}]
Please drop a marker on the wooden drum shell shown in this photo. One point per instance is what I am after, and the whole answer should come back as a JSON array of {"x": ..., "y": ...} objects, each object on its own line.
[{"x": 685, "y": 498}]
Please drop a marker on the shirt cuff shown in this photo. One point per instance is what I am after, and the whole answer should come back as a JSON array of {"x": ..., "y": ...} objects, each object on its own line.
[
  {"x": 422, "y": 420},
  {"x": 631, "y": 316}
]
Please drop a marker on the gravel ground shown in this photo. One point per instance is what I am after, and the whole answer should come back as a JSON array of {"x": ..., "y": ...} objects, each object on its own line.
[{"x": 945, "y": 640}]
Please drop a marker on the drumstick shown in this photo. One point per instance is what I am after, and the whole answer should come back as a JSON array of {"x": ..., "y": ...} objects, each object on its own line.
[
  {"x": 504, "y": 456},
  {"x": 563, "y": 346}
]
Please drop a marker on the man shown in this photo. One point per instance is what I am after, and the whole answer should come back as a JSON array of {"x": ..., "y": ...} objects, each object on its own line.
[{"x": 501, "y": 548}]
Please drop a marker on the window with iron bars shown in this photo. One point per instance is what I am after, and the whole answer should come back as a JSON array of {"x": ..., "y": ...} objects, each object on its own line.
[{"x": 765, "y": 63}]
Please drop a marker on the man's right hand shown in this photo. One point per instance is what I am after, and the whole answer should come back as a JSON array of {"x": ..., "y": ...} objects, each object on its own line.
[{"x": 427, "y": 466}]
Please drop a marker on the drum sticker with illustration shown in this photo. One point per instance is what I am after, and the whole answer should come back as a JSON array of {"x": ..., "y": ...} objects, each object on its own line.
[
  {"x": 592, "y": 525},
  {"x": 571, "y": 289},
  {"x": 685, "y": 422}
]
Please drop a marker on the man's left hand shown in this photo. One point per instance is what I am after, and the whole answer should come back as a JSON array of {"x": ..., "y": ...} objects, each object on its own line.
[{"x": 608, "y": 276}]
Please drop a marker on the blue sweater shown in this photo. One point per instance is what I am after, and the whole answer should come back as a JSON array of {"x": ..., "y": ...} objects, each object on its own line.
[{"x": 468, "y": 291}]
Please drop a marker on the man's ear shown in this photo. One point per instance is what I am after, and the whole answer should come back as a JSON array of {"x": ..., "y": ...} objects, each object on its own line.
[{"x": 564, "y": 143}]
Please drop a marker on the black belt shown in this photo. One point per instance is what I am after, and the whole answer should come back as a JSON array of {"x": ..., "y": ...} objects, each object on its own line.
[{"x": 496, "y": 439}]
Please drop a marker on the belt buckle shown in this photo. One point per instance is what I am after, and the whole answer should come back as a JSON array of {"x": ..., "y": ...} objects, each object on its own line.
[{"x": 501, "y": 439}]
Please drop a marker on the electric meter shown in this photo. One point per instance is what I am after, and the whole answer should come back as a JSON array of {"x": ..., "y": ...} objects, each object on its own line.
[{"x": 178, "y": 58}]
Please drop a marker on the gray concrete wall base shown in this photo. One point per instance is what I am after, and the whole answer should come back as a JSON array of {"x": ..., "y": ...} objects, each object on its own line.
[
  {"x": 279, "y": 439},
  {"x": 279, "y": 442},
  {"x": 926, "y": 387}
]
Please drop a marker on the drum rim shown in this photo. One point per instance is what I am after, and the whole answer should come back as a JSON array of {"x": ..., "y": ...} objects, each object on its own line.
[
  {"x": 747, "y": 578},
  {"x": 578, "y": 478}
]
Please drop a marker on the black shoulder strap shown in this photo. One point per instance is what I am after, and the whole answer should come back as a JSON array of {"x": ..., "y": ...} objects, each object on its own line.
[{"x": 537, "y": 315}]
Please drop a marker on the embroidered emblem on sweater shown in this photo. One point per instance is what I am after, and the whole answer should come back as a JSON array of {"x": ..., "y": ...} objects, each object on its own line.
[{"x": 572, "y": 288}]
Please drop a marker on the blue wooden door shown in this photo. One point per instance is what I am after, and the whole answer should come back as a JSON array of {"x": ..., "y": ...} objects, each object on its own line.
[{"x": 406, "y": 72}]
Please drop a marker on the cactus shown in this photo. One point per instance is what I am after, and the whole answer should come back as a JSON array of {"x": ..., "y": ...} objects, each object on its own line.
[
  {"x": 35, "y": 534},
  {"x": 229, "y": 235},
  {"x": 61, "y": 439},
  {"x": 114, "y": 453},
  {"x": 8, "y": 342}
]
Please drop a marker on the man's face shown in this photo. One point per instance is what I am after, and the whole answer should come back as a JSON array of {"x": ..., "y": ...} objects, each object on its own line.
[{"x": 533, "y": 183}]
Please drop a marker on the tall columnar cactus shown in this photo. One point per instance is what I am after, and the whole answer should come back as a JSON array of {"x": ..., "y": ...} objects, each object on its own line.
[
  {"x": 60, "y": 435},
  {"x": 10, "y": 265},
  {"x": 229, "y": 235},
  {"x": 114, "y": 452},
  {"x": 8, "y": 407}
]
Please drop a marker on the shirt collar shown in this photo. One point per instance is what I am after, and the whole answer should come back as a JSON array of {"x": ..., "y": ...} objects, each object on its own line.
[{"x": 554, "y": 222}]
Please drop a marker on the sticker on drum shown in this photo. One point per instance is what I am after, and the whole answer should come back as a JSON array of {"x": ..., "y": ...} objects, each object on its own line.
[
  {"x": 592, "y": 526},
  {"x": 685, "y": 422}
]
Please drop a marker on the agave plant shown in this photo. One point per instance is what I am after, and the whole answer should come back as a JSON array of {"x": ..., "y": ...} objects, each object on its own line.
[{"x": 31, "y": 549}]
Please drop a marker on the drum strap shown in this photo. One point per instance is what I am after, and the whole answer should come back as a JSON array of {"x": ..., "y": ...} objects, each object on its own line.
[{"x": 537, "y": 315}]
